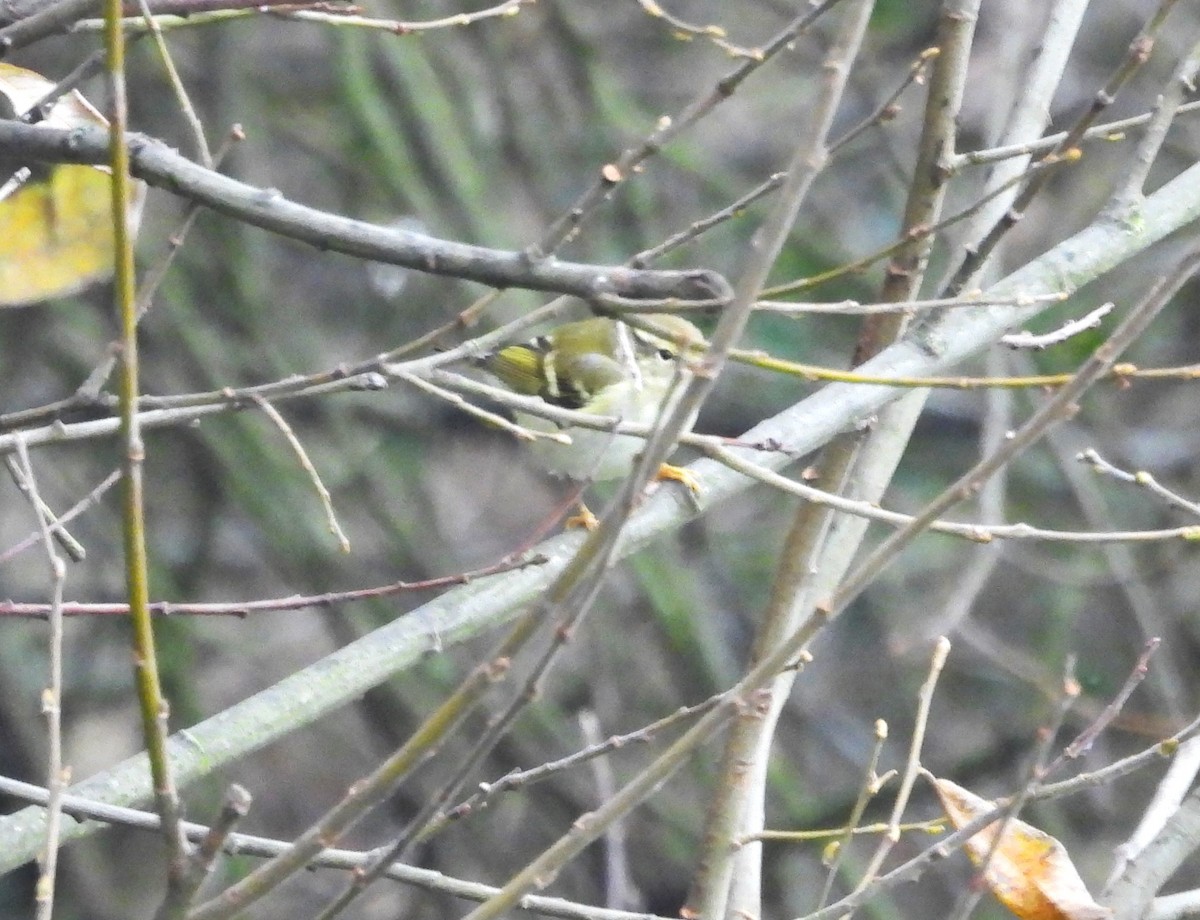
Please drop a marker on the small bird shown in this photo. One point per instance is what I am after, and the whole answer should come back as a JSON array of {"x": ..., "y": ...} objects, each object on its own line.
[{"x": 605, "y": 368}]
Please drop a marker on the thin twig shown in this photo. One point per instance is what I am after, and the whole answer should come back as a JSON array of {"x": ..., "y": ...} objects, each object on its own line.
[
  {"x": 307, "y": 465},
  {"x": 1181, "y": 83},
  {"x": 854, "y": 308},
  {"x": 71, "y": 513},
  {"x": 57, "y": 776},
  {"x": 17, "y": 469},
  {"x": 713, "y": 33},
  {"x": 1112, "y": 130},
  {"x": 932, "y": 826},
  {"x": 1033, "y": 778},
  {"x": 619, "y": 887},
  {"x": 1141, "y": 478},
  {"x": 489, "y": 418},
  {"x": 1090, "y": 320},
  {"x": 867, "y": 790},
  {"x": 152, "y": 704},
  {"x": 47, "y": 21},
  {"x": 912, "y": 766},
  {"x": 519, "y": 778},
  {"x": 885, "y": 111},
  {"x": 1084, "y": 740},
  {"x": 181, "y": 95},
  {"x": 629, "y": 162},
  {"x": 159, "y": 165},
  {"x": 920, "y": 232},
  {"x": 319, "y": 13},
  {"x": 88, "y": 393},
  {"x": 235, "y": 807}
]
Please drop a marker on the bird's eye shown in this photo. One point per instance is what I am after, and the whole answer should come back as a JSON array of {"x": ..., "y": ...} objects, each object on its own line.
[{"x": 666, "y": 354}]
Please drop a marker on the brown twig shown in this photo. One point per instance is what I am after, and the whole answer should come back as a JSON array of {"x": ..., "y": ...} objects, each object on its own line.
[
  {"x": 52, "y": 697},
  {"x": 273, "y": 605},
  {"x": 1084, "y": 740},
  {"x": 157, "y": 164}
]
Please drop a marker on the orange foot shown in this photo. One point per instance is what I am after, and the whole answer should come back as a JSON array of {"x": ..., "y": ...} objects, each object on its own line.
[
  {"x": 681, "y": 475},
  {"x": 588, "y": 521},
  {"x": 583, "y": 518}
]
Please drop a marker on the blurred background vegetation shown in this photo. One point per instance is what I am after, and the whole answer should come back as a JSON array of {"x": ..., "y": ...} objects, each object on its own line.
[{"x": 486, "y": 134}]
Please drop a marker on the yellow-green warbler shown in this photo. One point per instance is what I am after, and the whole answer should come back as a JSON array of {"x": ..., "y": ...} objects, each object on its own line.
[{"x": 603, "y": 367}]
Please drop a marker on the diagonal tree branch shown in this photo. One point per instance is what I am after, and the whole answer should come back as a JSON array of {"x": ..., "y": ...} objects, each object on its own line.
[{"x": 163, "y": 167}]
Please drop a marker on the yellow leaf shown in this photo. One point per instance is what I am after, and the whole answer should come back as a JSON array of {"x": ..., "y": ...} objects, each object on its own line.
[
  {"x": 1030, "y": 871},
  {"x": 56, "y": 230}
]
